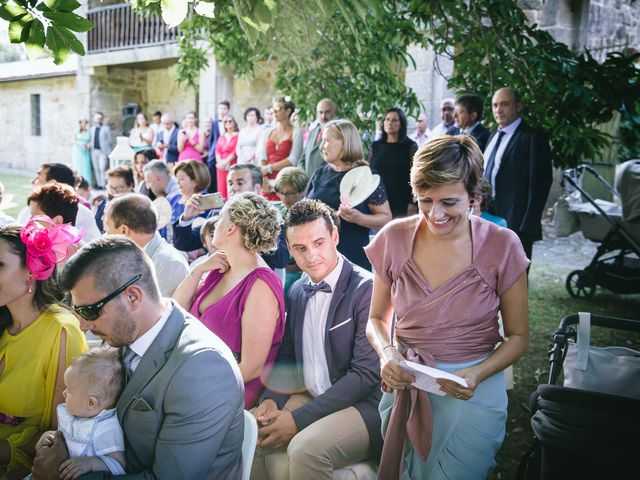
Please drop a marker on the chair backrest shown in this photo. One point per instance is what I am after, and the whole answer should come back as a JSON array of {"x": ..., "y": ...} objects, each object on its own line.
[{"x": 248, "y": 443}]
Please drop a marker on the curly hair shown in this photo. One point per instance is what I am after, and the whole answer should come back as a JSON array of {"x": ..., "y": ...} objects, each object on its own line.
[
  {"x": 55, "y": 199},
  {"x": 258, "y": 220}
]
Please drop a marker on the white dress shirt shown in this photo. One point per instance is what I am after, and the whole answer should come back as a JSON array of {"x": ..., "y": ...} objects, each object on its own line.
[
  {"x": 467, "y": 131},
  {"x": 314, "y": 359},
  {"x": 142, "y": 344},
  {"x": 508, "y": 134}
]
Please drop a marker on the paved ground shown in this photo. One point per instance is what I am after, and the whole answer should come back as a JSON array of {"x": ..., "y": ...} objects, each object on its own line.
[{"x": 574, "y": 251}]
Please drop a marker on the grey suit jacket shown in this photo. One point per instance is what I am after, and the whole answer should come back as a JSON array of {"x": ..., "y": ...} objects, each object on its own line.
[
  {"x": 312, "y": 157},
  {"x": 106, "y": 140},
  {"x": 182, "y": 410},
  {"x": 354, "y": 367}
]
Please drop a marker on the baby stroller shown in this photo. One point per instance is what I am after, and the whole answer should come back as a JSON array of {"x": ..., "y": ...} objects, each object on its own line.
[
  {"x": 585, "y": 434},
  {"x": 616, "y": 264}
]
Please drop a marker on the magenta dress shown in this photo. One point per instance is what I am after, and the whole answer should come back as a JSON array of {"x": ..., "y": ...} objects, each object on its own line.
[
  {"x": 190, "y": 153},
  {"x": 224, "y": 319}
]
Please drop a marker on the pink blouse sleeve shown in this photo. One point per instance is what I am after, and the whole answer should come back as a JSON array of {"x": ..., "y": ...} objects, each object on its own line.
[
  {"x": 512, "y": 261},
  {"x": 378, "y": 255}
]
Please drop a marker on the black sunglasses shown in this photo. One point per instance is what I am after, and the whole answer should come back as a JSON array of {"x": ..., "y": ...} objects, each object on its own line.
[{"x": 91, "y": 312}]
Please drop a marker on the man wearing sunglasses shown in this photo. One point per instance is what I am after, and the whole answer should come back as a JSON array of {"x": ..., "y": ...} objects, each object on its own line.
[{"x": 182, "y": 407}]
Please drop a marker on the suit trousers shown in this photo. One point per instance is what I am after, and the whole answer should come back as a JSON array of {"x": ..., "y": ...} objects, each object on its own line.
[
  {"x": 99, "y": 162},
  {"x": 333, "y": 442}
]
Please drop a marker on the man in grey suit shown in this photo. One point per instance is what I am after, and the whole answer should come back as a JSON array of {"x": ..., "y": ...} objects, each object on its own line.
[
  {"x": 325, "y": 112},
  {"x": 324, "y": 354},
  {"x": 101, "y": 146},
  {"x": 182, "y": 407}
]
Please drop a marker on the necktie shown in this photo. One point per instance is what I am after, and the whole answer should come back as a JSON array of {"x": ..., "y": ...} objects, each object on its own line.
[
  {"x": 492, "y": 158},
  {"x": 319, "y": 136},
  {"x": 128, "y": 356},
  {"x": 310, "y": 289}
]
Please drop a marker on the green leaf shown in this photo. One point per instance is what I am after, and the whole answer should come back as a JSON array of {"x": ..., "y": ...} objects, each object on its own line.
[
  {"x": 71, "y": 40},
  {"x": 52, "y": 4},
  {"x": 69, "y": 20},
  {"x": 19, "y": 29},
  {"x": 35, "y": 43},
  {"x": 68, "y": 5},
  {"x": 56, "y": 43},
  {"x": 11, "y": 12}
]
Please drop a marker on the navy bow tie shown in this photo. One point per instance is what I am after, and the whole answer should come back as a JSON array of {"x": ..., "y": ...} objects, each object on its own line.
[{"x": 310, "y": 289}]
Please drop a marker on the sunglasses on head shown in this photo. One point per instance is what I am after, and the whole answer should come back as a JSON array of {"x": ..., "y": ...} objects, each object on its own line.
[{"x": 91, "y": 312}]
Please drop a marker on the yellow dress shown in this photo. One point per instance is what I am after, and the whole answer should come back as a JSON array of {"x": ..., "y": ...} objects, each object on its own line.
[{"x": 28, "y": 381}]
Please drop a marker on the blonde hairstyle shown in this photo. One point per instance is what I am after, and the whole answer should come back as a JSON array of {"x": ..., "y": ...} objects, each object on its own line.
[
  {"x": 257, "y": 219},
  {"x": 101, "y": 370},
  {"x": 445, "y": 160},
  {"x": 347, "y": 133},
  {"x": 232, "y": 118},
  {"x": 196, "y": 171},
  {"x": 293, "y": 177}
]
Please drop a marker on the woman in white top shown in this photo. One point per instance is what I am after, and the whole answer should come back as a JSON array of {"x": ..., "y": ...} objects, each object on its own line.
[
  {"x": 246, "y": 149},
  {"x": 141, "y": 136}
]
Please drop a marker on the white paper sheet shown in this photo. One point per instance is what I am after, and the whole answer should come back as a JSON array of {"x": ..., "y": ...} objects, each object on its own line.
[{"x": 426, "y": 377}]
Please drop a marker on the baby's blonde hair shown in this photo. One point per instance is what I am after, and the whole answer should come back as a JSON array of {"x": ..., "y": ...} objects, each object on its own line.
[{"x": 101, "y": 370}]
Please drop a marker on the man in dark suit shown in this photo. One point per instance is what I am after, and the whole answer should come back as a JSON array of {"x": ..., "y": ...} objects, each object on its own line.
[
  {"x": 167, "y": 139},
  {"x": 217, "y": 129},
  {"x": 518, "y": 166},
  {"x": 468, "y": 115},
  {"x": 326, "y": 354},
  {"x": 182, "y": 407}
]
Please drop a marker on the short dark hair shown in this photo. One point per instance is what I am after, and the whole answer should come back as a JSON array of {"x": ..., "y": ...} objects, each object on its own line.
[
  {"x": 54, "y": 199},
  {"x": 157, "y": 113},
  {"x": 403, "y": 123},
  {"x": 122, "y": 172},
  {"x": 256, "y": 173},
  {"x": 471, "y": 103},
  {"x": 149, "y": 154},
  {"x": 81, "y": 182},
  {"x": 225, "y": 103},
  {"x": 307, "y": 211},
  {"x": 60, "y": 173},
  {"x": 133, "y": 210},
  {"x": 98, "y": 259},
  {"x": 252, "y": 109}
]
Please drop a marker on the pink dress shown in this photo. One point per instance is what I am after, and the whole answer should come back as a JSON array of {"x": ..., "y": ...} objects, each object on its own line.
[
  {"x": 224, "y": 148},
  {"x": 190, "y": 153},
  {"x": 224, "y": 319}
]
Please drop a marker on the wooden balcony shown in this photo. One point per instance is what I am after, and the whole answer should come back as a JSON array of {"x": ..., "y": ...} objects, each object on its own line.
[{"x": 119, "y": 27}]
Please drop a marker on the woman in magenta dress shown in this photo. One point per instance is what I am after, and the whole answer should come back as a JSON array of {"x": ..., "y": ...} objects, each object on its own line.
[
  {"x": 282, "y": 146},
  {"x": 226, "y": 155},
  {"x": 241, "y": 299},
  {"x": 190, "y": 139}
]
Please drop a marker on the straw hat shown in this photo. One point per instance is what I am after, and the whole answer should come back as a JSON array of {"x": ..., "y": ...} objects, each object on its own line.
[{"x": 163, "y": 211}]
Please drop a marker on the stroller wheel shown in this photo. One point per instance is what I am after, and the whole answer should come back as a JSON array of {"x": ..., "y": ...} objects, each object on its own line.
[{"x": 580, "y": 284}]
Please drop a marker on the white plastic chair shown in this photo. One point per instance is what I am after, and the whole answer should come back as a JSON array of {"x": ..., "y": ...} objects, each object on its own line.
[{"x": 248, "y": 444}]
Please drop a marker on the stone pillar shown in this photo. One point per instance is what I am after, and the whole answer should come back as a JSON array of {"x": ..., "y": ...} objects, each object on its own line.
[{"x": 216, "y": 84}]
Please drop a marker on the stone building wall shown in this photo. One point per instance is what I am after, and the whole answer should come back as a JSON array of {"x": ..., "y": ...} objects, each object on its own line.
[{"x": 58, "y": 122}]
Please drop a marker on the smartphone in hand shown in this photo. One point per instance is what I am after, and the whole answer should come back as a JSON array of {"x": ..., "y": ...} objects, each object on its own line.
[{"x": 211, "y": 201}]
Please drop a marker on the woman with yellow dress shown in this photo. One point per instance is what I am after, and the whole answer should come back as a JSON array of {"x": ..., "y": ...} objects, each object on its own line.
[{"x": 38, "y": 337}]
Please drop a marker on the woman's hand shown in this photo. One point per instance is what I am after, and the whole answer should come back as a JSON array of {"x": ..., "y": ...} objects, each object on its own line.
[
  {"x": 217, "y": 261},
  {"x": 349, "y": 214},
  {"x": 391, "y": 373},
  {"x": 455, "y": 390},
  {"x": 192, "y": 207}
]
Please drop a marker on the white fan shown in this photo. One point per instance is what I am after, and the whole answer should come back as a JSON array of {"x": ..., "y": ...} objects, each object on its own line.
[
  {"x": 357, "y": 185},
  {"x": 163, "y": 211}
]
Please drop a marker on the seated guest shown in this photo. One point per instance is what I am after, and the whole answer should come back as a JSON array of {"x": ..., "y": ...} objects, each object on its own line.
[
  {"x": 241, "y": 300},
  {"x": 140, "y": 159},
  {"x": 342, "y": 150},
  {"x": 56, "y": 200},
  {"x": 336, "y": 422},
  {"x": 241, "y": 178},
  {"x": 181, "y": 408},
  {"x": 158, "y": 178},
  {"x": 120, "y": 181},
  {"x": 206, "y": 237},
  {"x": 62, "y": 174},
  {"x": 134, "y": 216},
  {"x": 192, "y": 177},
  {"x": 38, "y": 340},
  {"x": 484, "y": 203},
  {"x": 83, "y": 190}
]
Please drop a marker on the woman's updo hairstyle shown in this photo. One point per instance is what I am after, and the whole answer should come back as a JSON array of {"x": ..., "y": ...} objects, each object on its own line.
[
  {"x": 257, "y": 219},
  {"x": 446, "y": 160}
]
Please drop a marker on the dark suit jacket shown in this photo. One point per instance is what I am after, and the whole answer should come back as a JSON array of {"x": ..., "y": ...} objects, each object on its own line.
[
  {"x": 213, "y": 139},
  {"x": 354, "y": 367},
  {"x": 481, "y": 135},
  {"x": 172, "y": 149},
  {"x": 182, "y": 410},
  {"x": 523, "y": 181}
]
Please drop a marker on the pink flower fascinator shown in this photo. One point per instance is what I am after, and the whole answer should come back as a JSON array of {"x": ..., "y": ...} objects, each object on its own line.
[{"x": 47, "y": 244}]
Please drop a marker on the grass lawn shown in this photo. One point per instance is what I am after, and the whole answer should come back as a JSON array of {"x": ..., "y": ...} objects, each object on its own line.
[
  {"x": 549, "y": 302},
  {"x": 18, "y": 184}
]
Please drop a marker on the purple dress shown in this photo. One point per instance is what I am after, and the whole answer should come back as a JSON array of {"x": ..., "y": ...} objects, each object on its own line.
[{"x": 224, "y": 319}]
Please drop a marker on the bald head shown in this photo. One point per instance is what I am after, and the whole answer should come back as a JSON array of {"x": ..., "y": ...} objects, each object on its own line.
[
  {"x": 446, "y": 110},
  {"x": 506, "y": 106},
  {"x": 325, "y": 110}
]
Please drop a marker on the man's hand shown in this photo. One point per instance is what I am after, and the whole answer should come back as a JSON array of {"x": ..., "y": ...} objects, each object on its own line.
[
  {"x": 265, "y": 409},
  {"x": 46, "y": 439},
  {"x": 47, "y": 462},
  {"x": 279, "y": 429},
  {"x": 72, "y": 468}
]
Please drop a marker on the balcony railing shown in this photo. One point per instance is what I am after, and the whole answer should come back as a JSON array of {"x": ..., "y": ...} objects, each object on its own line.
[{"x": 118, "y": 27}]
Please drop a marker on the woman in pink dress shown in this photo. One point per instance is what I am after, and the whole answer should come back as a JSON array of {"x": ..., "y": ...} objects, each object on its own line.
[
  {"x": 226, "y": 153},
  {"x": 190, "y": 140},
  {"x": 241, "y": 299},
  {"x": 283, "y": 146}
]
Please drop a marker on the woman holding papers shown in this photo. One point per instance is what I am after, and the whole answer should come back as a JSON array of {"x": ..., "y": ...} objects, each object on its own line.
[{"x": 445, "y": 274}]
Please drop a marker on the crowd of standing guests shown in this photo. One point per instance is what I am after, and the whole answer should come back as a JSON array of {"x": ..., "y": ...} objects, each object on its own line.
[{"x": 272, "y": 294}]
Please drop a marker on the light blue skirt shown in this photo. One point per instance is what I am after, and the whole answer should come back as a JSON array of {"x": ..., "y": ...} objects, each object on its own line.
[{"x": 466, "y": 434}]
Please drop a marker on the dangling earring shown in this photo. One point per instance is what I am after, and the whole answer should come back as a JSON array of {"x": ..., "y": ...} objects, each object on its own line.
[
  {"x": 470, "y": 213},
  {"x": 30, "y": 285}
]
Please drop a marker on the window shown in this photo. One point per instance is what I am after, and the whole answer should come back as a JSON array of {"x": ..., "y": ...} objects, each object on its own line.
[{"x": 35, "y": 115}]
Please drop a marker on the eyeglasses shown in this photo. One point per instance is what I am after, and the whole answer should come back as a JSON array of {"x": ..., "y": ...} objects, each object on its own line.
[
  {"x": 118, "y": 188},
  {"x": 92, "y": 312}
]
